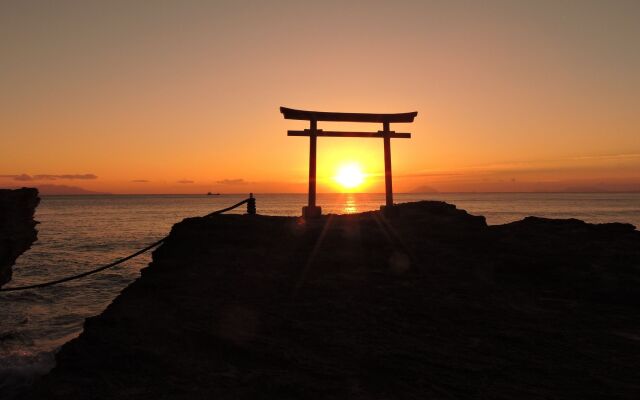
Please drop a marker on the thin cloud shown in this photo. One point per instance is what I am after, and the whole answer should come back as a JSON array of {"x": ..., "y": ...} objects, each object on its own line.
[
  {"x": 49, "y": 177},
  {"x": 140, "y": 181},
  {"x": 21, "y": 177},
  {"x": 185, "y": 181},
  {"x": 608, "y": 157},
  {"x": 551, "y": 165},
  {"x": 237, "y": 181}
]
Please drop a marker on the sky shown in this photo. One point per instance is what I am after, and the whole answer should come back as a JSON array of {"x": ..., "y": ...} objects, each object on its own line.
[{"x": 184, "y": 96}]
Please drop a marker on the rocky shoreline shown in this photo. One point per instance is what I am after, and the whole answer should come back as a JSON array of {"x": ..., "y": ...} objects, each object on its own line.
[
  {"x": 429, "y": 302},
  {"x": 17, "y": 226}
]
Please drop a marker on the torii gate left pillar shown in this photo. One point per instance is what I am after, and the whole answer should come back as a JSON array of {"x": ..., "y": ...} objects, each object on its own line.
[{"x": 312, "y": 210}]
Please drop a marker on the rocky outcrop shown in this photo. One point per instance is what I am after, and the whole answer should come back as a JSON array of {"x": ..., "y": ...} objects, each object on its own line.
[
  {"x": 425, "y": 302},
  {"x": 17, "y": 227}
]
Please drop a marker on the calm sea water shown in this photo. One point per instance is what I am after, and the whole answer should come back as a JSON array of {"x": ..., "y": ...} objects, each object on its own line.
[{"x": 77, "y": 233}]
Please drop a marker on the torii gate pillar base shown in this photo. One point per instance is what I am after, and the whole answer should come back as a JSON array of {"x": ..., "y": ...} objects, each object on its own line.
[
  {"x": 311, "y": 211},
  {"x": 389, "y": 211}
]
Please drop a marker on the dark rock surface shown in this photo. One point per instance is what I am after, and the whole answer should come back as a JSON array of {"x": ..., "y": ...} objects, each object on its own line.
[
  {"x": 427, "y": 303},
  {"x": 17, "y": 227}
]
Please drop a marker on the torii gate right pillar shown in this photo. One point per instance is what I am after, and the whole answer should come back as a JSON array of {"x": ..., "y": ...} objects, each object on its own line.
[{"x": 388, "y": 184}]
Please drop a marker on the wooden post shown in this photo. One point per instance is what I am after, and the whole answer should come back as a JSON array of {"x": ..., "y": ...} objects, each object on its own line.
[
  {"x": 311, "y": 210},
  {"x": 313, "y": 140},
  {"x": 251, "y": 205},
  {"x": 387, "y": 165}
]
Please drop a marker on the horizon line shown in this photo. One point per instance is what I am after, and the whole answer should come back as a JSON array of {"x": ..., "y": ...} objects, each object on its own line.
[{"x": 345, "y": 193}]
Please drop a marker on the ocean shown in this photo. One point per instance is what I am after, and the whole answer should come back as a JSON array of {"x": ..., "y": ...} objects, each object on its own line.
[{"x": 78, "y": 233}]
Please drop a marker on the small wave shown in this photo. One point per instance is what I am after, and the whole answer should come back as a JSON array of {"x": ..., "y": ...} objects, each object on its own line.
[
  {"x": 98, "y": 247},
  {"x": 19, "y": 369}
]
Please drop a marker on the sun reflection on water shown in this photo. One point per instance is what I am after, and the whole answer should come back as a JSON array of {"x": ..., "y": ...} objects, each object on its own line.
[{"x": 350, "y": 204}]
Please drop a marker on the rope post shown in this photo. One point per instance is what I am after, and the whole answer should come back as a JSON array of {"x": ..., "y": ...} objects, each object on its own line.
[{"x": 251, "y": 205}]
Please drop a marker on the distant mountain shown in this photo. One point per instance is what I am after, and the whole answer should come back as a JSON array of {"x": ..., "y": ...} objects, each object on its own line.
[
  {"x": 424, "y": 189},
  {"x": 585, "y": 189},
  {"x": 62, "y": 190},
  {"x": 603, "y": 188}
]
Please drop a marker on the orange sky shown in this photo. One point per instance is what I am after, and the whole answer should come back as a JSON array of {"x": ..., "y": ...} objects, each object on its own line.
[{"x": 183, "y": 97}]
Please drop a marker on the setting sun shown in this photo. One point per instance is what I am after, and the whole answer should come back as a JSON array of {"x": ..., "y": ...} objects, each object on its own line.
[{"x": 349, "y": 176}]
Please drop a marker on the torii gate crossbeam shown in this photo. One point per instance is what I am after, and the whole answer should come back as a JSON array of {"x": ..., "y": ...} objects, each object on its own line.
[{"x": 312, "y": 210}]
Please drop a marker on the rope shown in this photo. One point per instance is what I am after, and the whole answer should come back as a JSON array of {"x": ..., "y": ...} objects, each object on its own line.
[
  {"x": 120, "y": 261},
  {"x": 82, "y": 275},
  {"x": 229, "y": 208}
]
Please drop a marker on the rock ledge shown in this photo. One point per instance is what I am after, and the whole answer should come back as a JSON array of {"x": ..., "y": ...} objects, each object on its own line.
[
  {"x": 428, "y": 303},
  {"x": 17, "y": 227}
]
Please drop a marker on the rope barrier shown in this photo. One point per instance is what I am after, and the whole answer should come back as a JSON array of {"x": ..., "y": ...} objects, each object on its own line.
[
  {"x": 82, "y": 275},
  {"x": 229, "y": 208},
  {"x": 251, "y": 209}
]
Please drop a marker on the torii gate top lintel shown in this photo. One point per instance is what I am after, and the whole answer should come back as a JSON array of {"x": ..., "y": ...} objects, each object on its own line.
[
  {"x": 290, "y": 113},
  {"x": 313, "y": 133}
]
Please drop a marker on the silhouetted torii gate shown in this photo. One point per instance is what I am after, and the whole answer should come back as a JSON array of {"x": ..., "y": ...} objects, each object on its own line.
[{"x": 311, "y": 210}]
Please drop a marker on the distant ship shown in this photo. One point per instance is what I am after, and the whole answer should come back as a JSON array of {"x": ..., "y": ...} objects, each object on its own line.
[{"x": 213, "y": 194}]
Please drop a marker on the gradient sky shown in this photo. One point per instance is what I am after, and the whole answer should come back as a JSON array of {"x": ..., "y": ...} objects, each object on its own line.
[{"x": 183, "y": 96}]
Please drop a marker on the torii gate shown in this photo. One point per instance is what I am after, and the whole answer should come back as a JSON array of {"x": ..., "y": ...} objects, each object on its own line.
[{"x": 311, "y": 210}]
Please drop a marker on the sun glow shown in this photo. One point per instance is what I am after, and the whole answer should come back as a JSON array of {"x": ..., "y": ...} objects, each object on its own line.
[{"x": 349, "y": 176}]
